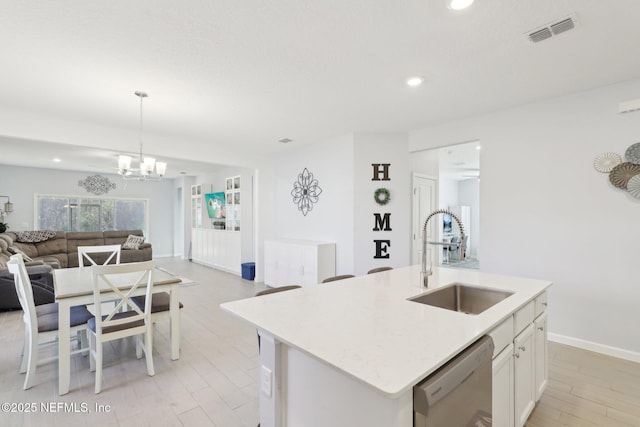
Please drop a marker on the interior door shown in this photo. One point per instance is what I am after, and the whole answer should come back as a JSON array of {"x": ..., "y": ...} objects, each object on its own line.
[{"x": 424, "y": 201}]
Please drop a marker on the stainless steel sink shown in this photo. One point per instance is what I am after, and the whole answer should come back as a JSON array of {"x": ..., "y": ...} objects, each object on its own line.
[{"x": 463, "y": 298}]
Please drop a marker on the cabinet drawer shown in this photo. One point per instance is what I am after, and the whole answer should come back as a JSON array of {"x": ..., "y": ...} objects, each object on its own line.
[
  {"x": 502, "y": 335},
  {"x": 523, "y": 317},
  {"x": 540, "y": 304}
]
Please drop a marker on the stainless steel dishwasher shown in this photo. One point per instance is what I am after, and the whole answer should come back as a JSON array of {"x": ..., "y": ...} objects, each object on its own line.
[{"x": 459, "y": 393}]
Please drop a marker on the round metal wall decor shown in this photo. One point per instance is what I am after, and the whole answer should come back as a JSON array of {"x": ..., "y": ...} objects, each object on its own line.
[
  {"x": 306, "y": 191},
  {"x": 633, "y": 186},
  {"x": 633, "y": 153},
  {"x": 621, "y": 174},
  {"x": 606, "y": 161}
]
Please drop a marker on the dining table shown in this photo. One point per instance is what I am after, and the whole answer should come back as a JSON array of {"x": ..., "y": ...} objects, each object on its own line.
[{"x": 74, "y": 286}]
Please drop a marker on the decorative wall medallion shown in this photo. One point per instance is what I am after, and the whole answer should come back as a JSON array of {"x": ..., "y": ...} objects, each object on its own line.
[
  {"x": 633, "y": 186},
  {"x": 382, "y": 196},
  {"x": 633, "y": 153},
  {"x": 305, "y": 191},
  {"x": 97, "y": 184},
  {"x": 621, "y": 174},
  {"x": 606, "y": 161}
]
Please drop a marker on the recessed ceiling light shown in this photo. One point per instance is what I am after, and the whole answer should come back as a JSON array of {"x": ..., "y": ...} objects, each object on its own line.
[
  {"x": 285, "y": 140},
  {"x": 57, "y": 160},
  {"x": 415, "y": 81},
  {"x": 458, "y": 4},
  {"x": 478, "y": 147}
]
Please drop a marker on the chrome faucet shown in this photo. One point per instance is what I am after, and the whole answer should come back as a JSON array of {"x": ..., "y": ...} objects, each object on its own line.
[{"x": 425, "y": 272}]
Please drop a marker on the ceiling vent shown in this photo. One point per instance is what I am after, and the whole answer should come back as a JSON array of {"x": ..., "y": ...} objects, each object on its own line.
[{"x": 552, "y": 29}]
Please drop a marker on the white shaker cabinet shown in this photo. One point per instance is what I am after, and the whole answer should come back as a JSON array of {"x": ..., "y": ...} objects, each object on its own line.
[
  {"x": 502, "y": 406},
  {"x": 524, "y": 369},
  {"x": 298, "y": 262},
  {"x": 520, "y": 369},
  {"x": 542, "y": 370}
]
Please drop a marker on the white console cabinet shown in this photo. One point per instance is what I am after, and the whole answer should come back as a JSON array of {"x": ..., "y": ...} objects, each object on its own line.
[{"x": 298, "y": 262}]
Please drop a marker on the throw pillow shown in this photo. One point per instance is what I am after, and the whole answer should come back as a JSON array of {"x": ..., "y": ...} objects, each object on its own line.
[
  {"x": 35, "y": 236},
  {"x": 133, "y": 242},
  {"x": 15, "y": 251}
]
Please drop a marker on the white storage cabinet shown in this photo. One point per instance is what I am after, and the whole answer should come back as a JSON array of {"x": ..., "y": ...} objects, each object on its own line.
[{"x": 298, "y": 262}]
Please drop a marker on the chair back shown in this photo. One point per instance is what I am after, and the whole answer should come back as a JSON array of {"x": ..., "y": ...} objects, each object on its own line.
[
  {"x": 23, "y": 289},
  {"x": 84, "y": 253},
  {"x": 379, "y": 269},
  {"x": 123, "y": 280},
  {"x": 340, "y": 277},
  {"x": 276, "y": 290}
]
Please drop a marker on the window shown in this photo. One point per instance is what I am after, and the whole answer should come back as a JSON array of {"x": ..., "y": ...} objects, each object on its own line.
[{"x": 73, "y": 213}]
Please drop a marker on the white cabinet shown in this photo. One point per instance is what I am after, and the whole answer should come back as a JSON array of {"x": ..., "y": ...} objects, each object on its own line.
[
  {"x": 196, "y": 206},
  {"x": 524, "y": 375},
  {"x": 298, "y": 262},
  {"x": 541, "y": 355},
  {"x": 520, "y": 364},
  {"x": 217, "y": 248},
  {"x": 502, "y": 391}
]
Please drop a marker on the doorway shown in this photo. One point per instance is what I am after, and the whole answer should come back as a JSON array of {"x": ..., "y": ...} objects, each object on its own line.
[{"x": 456, "y": 172}]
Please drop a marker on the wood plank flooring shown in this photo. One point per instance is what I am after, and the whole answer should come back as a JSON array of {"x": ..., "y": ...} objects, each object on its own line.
[
  {"x": 215, "y": 381},
  {"x": 588, "y": 389}
]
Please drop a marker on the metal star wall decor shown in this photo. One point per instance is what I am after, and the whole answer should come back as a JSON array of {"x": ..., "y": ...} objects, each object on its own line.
[
  {"x": 97, "y": 184},
  {"x": 305, "y": 191}
]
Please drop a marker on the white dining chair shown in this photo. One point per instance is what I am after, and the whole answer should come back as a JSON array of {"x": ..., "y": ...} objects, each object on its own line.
[
  {"x": 85, "y": 254},
  {"x": 126, "y": 318},
  {"x": 41, "y": 322}
]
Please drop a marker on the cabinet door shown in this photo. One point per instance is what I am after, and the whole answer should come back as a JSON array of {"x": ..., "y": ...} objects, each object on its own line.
[
  {"x": 270, "y": 263},
  {"x": 196, "y": 248},
  {"x": 524, "y": 374},
  {"x": 541, "y": 355},
  {"x": 502, "y": 397},
  {"x": 310, "y": 265}
]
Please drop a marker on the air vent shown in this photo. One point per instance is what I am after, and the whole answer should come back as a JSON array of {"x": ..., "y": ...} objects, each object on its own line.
[
  {"x": 540, "y": 35},
  {"x": 562, "y": 26},
  {"x": 552, "y": 29}
]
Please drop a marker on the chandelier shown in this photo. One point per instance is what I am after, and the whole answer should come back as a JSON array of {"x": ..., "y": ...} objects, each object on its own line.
[{"x": 148, "y": 169}]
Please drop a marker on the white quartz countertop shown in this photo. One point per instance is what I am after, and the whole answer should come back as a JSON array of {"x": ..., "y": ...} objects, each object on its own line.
[{"x": 366, "y": 328}]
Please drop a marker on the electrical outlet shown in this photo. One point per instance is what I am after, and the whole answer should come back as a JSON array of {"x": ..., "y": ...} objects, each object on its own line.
[{"x": 266, "y": 381}]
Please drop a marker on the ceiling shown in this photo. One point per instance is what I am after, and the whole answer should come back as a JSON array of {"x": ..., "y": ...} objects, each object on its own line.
[{"x": 228, "y": 79}]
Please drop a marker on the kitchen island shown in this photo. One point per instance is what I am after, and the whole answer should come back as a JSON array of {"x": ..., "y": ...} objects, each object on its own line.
[{"x": 348, "y": 353}]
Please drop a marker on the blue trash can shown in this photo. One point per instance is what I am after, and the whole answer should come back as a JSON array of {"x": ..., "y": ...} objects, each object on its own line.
[{"x": 248, "y": 270}]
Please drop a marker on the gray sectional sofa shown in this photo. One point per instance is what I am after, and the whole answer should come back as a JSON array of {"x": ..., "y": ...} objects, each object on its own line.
[{"x": 60, "y": 251}]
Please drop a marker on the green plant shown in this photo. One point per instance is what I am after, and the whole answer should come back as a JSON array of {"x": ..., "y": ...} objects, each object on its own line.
[{"x": 3, "y": 227}]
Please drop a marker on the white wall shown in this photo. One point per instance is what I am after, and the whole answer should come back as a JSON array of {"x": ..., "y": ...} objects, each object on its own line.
[
  {"x": 381, "y": 148},
  {"x": 331, "y": 219},
  {"x": 22, "y": 183},
  {"x": 546, "y": 212}
]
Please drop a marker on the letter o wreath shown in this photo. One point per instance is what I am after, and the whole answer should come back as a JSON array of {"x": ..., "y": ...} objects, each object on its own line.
[{"x": 382, "y": 196}]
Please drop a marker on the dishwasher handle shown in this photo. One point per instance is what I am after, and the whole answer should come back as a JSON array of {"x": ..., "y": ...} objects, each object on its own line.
[{"x": 451, "y": 375}]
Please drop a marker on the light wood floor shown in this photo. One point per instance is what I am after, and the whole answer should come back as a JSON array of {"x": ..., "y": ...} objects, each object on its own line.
[
  {"x": 215, "y": 381},
  {"x": 588, "y": 389}
]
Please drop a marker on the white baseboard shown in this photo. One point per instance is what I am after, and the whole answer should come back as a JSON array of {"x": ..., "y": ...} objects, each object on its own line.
[
  {"x": 163, "y": 256},
  {"x": 596, "y": 347}
]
